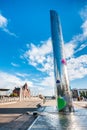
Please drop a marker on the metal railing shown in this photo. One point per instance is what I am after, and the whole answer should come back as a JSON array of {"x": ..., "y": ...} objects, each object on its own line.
[{"x": 8, "y": 99}]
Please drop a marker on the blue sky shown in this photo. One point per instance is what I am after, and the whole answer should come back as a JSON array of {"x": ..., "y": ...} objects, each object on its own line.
[{"x": 25, "y": 43}]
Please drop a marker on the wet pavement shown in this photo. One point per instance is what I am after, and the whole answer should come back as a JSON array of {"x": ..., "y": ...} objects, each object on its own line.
[
  {"x": 50, "y": 119},
  {"x": 14, "y": 117}
]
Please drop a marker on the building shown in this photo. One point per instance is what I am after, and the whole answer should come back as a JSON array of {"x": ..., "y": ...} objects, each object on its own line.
[
  {"x": 16, "y": 92},
  {"x": 74, "y": 93},
  {"x": 25, "y": 91},
  {"x": 60, "y": 66},
  {"x": 79, "y": 93},
  {"x": 3, "y": 92}
]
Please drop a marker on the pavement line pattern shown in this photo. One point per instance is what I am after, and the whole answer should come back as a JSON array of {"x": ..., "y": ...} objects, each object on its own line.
[{"x": 33, "y": 123}]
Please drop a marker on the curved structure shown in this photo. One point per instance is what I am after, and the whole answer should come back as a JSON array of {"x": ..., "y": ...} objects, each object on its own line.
[{"x": 64, "y": 100}]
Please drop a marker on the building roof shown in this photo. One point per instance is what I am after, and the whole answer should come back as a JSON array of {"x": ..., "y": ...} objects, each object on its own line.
[{"x": 3, "y": 89}]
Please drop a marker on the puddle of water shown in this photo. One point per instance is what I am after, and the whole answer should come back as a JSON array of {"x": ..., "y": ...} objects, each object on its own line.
[{"x": 50, "y": 119}]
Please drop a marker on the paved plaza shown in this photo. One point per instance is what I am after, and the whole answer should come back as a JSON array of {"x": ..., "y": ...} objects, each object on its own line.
[{"x": 13, "y": 116}]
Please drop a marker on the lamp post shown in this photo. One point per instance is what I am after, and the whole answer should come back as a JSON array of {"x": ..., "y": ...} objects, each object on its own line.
[{"x": 20, "y": 94}]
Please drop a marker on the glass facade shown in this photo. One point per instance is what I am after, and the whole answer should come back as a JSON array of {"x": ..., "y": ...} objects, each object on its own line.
[{"x": 60, "y": 65}]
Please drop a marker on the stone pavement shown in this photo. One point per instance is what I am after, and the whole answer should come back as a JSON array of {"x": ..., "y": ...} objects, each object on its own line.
[
  {"x": 13, "y": 115},
  {"x": 20, "y": 123},
  {"x": 50, "y": 119}
]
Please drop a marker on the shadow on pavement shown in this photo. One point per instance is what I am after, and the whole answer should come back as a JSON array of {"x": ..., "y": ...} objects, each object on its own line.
[{"x": 16, "y": 110}]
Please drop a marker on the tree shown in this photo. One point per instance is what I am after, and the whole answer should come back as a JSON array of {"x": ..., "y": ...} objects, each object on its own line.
[{"x": 14, "y": 95}]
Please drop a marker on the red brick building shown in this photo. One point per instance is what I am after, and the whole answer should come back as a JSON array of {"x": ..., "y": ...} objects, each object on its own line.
[{"x": 25, "y": 91}]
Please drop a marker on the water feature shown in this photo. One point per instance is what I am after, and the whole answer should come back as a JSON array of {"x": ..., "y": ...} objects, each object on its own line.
[{"x": 50, "y": 119}]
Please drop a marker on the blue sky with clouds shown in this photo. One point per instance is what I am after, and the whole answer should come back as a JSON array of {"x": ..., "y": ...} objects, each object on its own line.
[{"x": 25, "y": 43}]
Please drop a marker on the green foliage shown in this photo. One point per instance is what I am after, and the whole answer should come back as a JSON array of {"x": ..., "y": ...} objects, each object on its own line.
[
  {"x": 83, "y": 94},
  {"x": 86, "y": 94},
  {"x": 14, "y": 95}
]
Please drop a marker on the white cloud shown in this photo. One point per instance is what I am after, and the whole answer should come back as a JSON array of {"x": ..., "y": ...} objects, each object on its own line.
[
  {"x": 10, "y": 33},
  {"x": 81, "y": 47},
  {"x": 48, "y": 81},
  {"x": 3, "y": 21},
  {"x": 77, "y": 67},
  {"x": 69, "y": 49},
  {"x": 71, "y": 46},
  {"x": 84, "y": 27},
  {"x": 40, "y": 56},
  {"x": 41, "y": 90},
  {"x": 3, "y": 25},
  {"x": 47, "y": 92},
  {"x": 10, "y": 81},
  {"x": 44, "y": 85},
  {"x": 83, "y": 13},
  {"x": 79, "y": 38},
  {"x": 22, "y": 74},
  {"x": 15, "y": 65}
]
